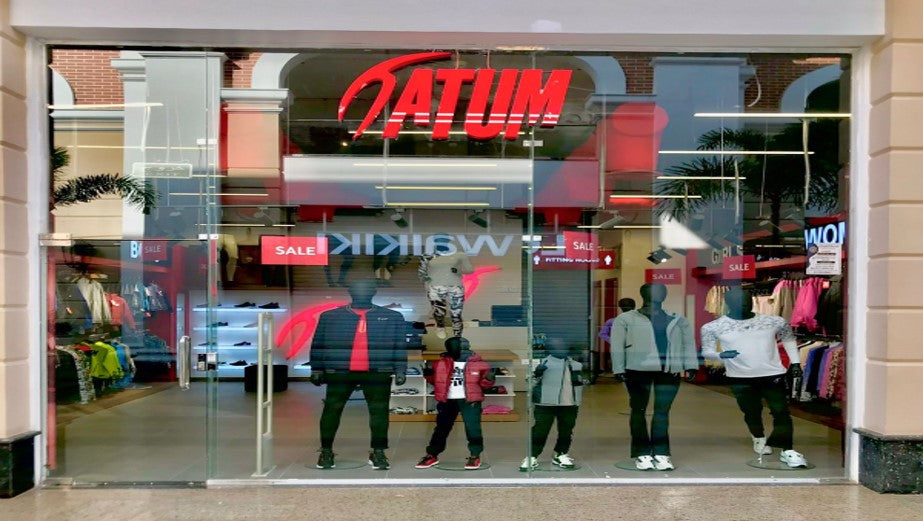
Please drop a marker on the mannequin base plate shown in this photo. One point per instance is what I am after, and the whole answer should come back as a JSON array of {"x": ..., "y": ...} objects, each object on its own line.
[
  {"x": 550, "y": 467},
  {"x": 341, "y": 465},
  {"x": 773, "y": 463},
  {"x": 629, "y": 464},
  {"x": 459, "y": 466}
]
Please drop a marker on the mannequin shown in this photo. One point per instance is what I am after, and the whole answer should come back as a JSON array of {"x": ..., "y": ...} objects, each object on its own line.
[
  {"x": 442, "y": 273},
  {"x": 754, "y": 368},
  {"x": 459, "y": 378},
  {"x": 662, "y": 351},
  {"x": 362, "y": 345},
  {"x": 557, "y": 394}
]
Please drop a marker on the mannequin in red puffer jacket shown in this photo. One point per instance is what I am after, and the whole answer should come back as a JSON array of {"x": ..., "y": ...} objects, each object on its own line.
[{"x": 459, "y": 378}]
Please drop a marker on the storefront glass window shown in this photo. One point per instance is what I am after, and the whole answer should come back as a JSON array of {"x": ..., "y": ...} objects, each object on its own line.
[{"x": 462, "y": 264}]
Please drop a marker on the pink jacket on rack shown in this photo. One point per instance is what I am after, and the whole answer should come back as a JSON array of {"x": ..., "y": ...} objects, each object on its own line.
[{"x": 806, "y": 304}]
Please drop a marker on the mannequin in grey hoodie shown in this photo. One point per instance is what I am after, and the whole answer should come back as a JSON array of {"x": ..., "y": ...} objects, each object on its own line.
[{"x": 651, "y": 350}]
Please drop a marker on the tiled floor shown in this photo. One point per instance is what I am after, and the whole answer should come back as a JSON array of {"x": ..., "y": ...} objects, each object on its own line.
[
  {"x": 651, "y": 503},
  {"x": 162, "y": 438}
]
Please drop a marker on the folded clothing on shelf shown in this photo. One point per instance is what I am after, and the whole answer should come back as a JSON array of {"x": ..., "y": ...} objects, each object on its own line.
[
  {"x": 404, "y": 410},
  {"x": 405, "y": 391},
  {"x": 413, "y": 371},
  {"x": 496, "y": 409},
  {"x": 497, "y": 389}
]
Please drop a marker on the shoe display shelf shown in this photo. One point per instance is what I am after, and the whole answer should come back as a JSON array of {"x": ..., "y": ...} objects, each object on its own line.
[
  {"x": 425, "y": 402},
  {"x": 241, "y": 328}
]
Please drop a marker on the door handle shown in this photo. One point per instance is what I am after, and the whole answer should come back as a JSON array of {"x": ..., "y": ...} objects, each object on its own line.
[{"x": 184, "y": 357}]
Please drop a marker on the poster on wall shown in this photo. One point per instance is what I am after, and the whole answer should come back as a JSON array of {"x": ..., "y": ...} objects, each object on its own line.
[
  {"x": 825, "y": 259},
  {"x": 293, "y": 251},
  {"x": 580, "y": 246}
]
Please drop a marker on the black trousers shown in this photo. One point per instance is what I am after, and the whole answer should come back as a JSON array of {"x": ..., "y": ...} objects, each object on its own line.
[
  {"x": 446, "y": 413},
  {"x": 665, "y": 386},
  {"x": 544, "y": 417},
  {"x": 377, "y": 390},
  {"x": 750, "y": 393}
]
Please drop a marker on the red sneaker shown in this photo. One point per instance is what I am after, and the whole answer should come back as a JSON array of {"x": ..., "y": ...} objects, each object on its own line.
[
  {"x": 473, "y": 463},
  {"x": 426, "y": 462}
]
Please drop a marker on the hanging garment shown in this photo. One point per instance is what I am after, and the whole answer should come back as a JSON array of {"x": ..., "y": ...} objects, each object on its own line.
[
  {"x": 806, "y": 304},
  {"x": 95, "y": 296},
  {"x": 830, "y": 307},
  {"x": 785, "y": 293},
  {"x": 105, "y": 362},
  {"x": 755, "y": 339},
  {"x": 764, "y": 304},
  {"x": 119, "y": 310},
  {"x": 714, "y": 300},
  {"x": 81, "y": 366},
  {"x": 156, "y": 298}
]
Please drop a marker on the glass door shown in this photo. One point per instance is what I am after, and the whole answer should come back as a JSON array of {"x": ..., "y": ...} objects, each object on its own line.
[{"x": 131, "y": 257}]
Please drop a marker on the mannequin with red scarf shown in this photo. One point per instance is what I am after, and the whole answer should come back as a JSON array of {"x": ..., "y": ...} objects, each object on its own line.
[{"x": 358, "y": 345}]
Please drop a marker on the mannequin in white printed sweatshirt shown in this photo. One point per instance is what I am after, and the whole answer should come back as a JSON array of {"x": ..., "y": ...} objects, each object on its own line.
[{"x": 751, "y": 358}]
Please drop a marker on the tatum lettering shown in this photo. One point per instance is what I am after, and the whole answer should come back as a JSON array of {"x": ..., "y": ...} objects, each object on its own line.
[{"x": 519, "y": 99}]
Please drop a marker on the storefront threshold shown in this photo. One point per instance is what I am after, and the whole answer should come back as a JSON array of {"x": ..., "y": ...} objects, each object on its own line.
[{"x": 516, "y": 482}]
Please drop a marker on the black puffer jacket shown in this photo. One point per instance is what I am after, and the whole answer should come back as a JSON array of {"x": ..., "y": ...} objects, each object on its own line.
[{"x": 331, "y": 348}]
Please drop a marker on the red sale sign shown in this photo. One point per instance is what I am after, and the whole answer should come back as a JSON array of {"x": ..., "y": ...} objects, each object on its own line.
[
  {"x": 294, "y": 251},
  {"x": 580, "y": 245},
  {"x": 667, "y": 277},
  {"x": 740, "y": 267}
]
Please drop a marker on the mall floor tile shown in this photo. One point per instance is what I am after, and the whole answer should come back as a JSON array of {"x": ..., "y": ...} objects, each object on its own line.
[{"x": 650, "y": 503}]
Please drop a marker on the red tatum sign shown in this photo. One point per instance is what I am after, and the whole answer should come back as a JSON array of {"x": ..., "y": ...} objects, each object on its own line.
[
  {"x": 520, "y": 98},
  {"x": 294, "y": 251}
]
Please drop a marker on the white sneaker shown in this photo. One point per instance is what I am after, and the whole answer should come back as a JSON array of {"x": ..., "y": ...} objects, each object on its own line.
[
  {"x": 793, "y": 459},
  {"x": 663, "y": 463},
  {"x": 644, "y": 463},
  {"x": 440, "y": 332},
  {"x": 563, "y": 460},
  {"x": 529, "y": 463},
  {"x": 759, "y": 446}
]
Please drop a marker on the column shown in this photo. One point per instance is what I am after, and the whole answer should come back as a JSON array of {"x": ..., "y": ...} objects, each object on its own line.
[
  {"x": 891, "y": 430},
  {"x": 16, "y": 422}
]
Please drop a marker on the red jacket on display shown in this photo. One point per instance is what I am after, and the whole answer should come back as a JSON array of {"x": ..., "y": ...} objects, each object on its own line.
[{"x": 477, "y": 378}]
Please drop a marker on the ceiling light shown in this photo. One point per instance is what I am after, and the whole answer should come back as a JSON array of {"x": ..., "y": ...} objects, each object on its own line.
[
  {"x": 398, "y": 218},
  {"x": 621, "y": 227},
  {"x": 771, "y": 115},
  {"x": 431, "y": 165},
  {"x": 477, "y": 217},
  {"x": 736, "y": 152},
  {"x": 452, "y": 204},
  {"x": 532, "y": 238},
  {"x": 659, "y": 256},
  {"x": 654, "y": 196},
  {"x": 434, "y": 187},
  {"x": 698, "y": 178},
  {"x": 220, "y": 194}
]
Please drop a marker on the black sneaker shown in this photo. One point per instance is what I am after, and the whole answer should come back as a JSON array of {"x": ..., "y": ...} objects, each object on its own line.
[
  {"x": 427, "y": 461},
  {"x": 271, "y": 305},
  {"x": 378, "y": 460},
  {"x": 245, "y": 305},
  {"x": 473, "y": 463},
  {"x": 239, "y": 363},
  {"x": 325, "y": 460},
  {"x": 244, "y": 343}
]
